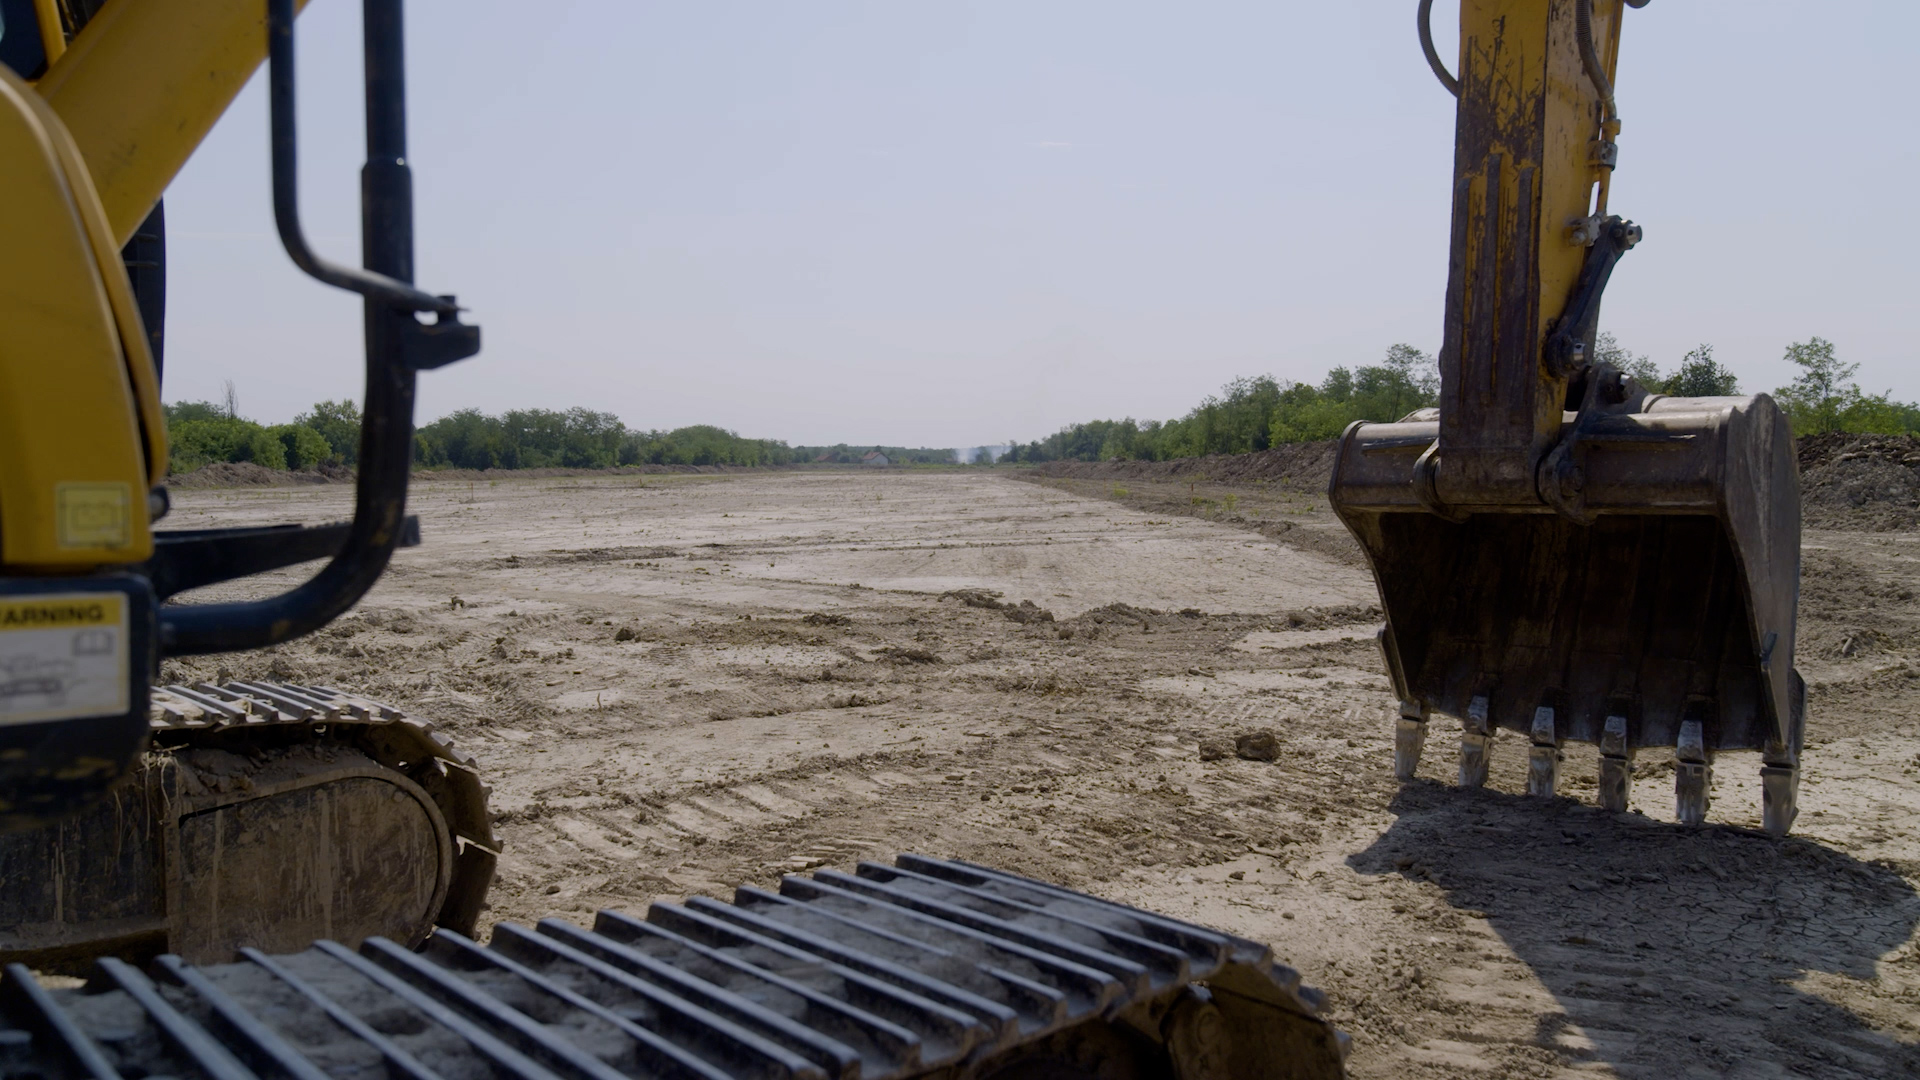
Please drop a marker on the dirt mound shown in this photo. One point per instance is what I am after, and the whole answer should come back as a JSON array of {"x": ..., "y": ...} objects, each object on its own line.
[
  {"x": 222, "y": 474},
  {"x": 1301, "y": 465},
  {"x": 1869, "y": 483}
]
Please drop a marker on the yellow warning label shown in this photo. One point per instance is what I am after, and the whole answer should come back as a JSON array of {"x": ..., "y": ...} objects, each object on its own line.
[
  {"x": 63, "y": 655},
  {"x": 67, "y": 610},
  {"x": 93, "y": 515}
]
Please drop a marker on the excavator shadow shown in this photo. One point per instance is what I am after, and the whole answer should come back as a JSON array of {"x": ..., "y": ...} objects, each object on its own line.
[{"x": 1671, "y": 950}]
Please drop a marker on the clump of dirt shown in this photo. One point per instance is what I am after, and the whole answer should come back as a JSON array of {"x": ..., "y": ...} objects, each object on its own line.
[
  {"x": 1866, "y": 483},
  {"x": 1302, "y": 465},
  {"x": 908, "y": 655},
  {"x": 980, "y": 598},
  {"x": 1257, "y": 746},
  {"x": 1024, "y": 612}
]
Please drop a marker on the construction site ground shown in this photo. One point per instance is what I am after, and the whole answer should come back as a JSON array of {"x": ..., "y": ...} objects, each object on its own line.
[{"x": 681, "y": 683}]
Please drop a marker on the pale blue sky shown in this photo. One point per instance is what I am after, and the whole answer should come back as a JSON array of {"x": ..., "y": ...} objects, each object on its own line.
[{"x": 948, "y": 224}]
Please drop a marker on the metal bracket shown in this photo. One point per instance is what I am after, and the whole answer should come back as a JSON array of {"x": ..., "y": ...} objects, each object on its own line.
[{"x": 1567, "y": 346}]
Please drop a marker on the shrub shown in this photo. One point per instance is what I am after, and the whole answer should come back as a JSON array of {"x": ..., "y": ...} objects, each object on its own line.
[
  {"x": 338, "y": 422},
  {"x": 303, "y": 447}
]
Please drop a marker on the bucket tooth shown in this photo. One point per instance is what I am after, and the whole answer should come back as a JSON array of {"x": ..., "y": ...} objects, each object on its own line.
[
  {"x": 1543, "y": 760},
  {"x": 1476, "y": 743},
  {"x": 1779, "y": 797},
  {"x": 1616, "y": 764},
  {"x": 1409, "y": 739},
  {"x": 1692, "y": 773}
]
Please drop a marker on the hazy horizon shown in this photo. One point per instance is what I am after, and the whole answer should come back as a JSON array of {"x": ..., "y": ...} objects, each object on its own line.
[{"x": 949, "y": 227}]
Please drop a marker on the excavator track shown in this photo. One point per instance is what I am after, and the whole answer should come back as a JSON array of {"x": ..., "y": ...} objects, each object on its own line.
[
  {"x": 264, "y": 815},
  {"x": 923, "y": 968}
]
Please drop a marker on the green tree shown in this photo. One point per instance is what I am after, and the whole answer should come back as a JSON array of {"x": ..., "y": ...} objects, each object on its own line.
[
  {"x": 1819, "y": 398},
  {"x": 182, "y": 411},
  {"x": 1700, "y": 375},
  {"x": 1824, "y": 396},
  {"x": 338, "y": 422},
  {"x": 304, "y": 447}
]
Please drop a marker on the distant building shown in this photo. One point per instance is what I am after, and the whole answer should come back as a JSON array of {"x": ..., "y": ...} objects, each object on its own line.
[{"x": 874, "y": 458}]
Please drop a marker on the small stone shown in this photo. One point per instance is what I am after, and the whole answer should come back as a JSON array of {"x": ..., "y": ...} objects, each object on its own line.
[
  {"x": 1238, "y": 875},
  {"x": 1258, "y": 746},
  {"x": 625, "y": 633},
  {"x": 1215, "y": 749}
]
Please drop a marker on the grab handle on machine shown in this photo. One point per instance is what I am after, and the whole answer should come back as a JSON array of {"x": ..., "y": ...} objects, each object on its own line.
[{"x": 398, "y": 346}]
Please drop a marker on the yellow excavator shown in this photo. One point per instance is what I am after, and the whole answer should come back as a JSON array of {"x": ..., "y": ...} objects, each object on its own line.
[{"x": 261, "y": 881}]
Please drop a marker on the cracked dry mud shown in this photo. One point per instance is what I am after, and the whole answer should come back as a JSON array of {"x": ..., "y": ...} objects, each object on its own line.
[{"x": 679, "y": 684}]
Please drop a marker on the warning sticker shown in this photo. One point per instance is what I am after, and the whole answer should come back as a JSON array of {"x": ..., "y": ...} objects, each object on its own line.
[{"x": 63, "y": 655}]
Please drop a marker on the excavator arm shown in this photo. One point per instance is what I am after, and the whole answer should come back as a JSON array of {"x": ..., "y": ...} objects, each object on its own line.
[
  {"x": 141, "y": 84},
  {"x": 1559, "y": 552}
]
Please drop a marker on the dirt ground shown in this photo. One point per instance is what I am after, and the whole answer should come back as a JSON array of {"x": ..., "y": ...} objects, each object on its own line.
[{"x": 682, "y": 683}]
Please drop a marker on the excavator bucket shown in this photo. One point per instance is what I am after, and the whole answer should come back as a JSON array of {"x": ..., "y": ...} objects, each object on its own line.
[
  {"x": 1558, "y": 551},
  {"x": 1665, "y": 620}
]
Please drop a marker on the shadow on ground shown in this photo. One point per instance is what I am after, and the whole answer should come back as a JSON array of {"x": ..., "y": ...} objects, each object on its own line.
[{"x": 1676, "y": 951}]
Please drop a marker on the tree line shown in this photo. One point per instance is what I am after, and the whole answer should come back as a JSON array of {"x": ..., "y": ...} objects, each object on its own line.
[
  {"x": 1252, "y": 414},
  {"x": 203, "y": 432},
  {"x": 1248, "y": 414}
]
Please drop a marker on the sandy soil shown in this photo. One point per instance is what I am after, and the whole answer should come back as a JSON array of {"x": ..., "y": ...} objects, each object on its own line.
[{"x": 682, "y": 683}]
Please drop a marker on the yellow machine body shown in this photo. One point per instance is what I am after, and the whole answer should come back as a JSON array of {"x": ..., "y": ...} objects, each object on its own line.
[
  {"x": 86, "y": 151},
  {"x": 81, "y": 433}
]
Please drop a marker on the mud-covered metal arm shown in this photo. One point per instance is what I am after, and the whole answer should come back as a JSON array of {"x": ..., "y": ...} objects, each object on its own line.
[{"x": 398, "y": 347}]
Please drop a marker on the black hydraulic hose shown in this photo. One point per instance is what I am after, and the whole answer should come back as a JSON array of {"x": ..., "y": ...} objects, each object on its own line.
[
  {"x": 286, "y": 203},
  {"x": 1590, "y": 56},
  {"x": 1425, "y": 19}
]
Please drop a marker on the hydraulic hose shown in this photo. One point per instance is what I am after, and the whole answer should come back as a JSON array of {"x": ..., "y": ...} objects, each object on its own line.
[
  {"x": 1425, "y": 21},
  {"x": 1582, "y": 30},
  {"x": 1590, "y": 56}
]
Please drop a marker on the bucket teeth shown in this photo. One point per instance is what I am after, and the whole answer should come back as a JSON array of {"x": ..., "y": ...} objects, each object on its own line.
[
  {"x": 1779, "y": 797},
  {"x": 1692, "y": 773},
  {"x": 1476, "y": 744},
  {"x": 1616, "y": 765},
  {"x": 1409, "y": 739},
  {"x": 1543, "y": 761}
]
